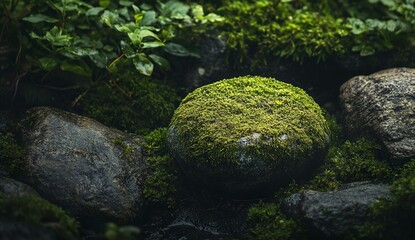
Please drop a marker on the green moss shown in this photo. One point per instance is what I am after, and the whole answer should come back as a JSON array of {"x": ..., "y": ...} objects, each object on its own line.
[
  {"x": 133, "y": 104},
  {"x": 269, "y": 223},
  {"x": 161, "y": 184},
  {"x": 11, "y": 153},
  {"x": 34, "y": 210},
  {"x": 155, "y": 142},
  {"x": 350, "y": 162},
  {"x": 211, "y": 121},
  {"x": 265, "y": 29},
  {"x": 394, "y": 218},
  {"x": 126, "y": 148},
  {"x": 336, "y": 130}
]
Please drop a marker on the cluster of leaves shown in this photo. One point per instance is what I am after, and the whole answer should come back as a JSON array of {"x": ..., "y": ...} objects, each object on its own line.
[
  {"x": 10, "y": 152},
  {"x": 160, "y": 186},
  {"x": 131, "y": 103},
  {"x": 37, "y": 211},
  {"x": 85, "y": 38},
  {"x": 75, "y": 36},
  {"x": 303, "y": 29}
]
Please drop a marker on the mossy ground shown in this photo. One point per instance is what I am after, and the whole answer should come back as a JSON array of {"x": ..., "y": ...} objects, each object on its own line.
[
  {"x": 161, "y": 185},
  {"x": 10, "y": 153},
  {"x": 37, "y": 211},
  {"x": 213, "y": 119},
  {"x": 133, "y": 104},
  {"x": 347, "y": 161}
]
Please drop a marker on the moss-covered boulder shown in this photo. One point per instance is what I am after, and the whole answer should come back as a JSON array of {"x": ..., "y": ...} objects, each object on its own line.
[{"x": 247, "y": 135}]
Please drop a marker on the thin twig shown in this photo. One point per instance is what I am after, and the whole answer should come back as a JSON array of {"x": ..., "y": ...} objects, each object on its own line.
[
  {"x": 123, "y": 92},
  {"x": 77, "y": 99}
]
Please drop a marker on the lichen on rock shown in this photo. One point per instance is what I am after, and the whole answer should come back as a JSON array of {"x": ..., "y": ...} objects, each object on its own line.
[{"x": 248, "y": 134}]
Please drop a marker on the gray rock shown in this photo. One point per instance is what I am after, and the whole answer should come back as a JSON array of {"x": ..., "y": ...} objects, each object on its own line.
[
  {"x": 13, "y": 188},
  {"x": 383, "y": 105},
  {"x": 337, "y": 213},
  {"x": 88, "y": 169}
]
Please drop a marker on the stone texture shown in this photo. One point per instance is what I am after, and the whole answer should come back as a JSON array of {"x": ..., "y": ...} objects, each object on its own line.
[
  {"x": 337, "y": 213},
  {"x": 382, "y": 105},
  {"x": 88, "y": 169},
  {"x": 12, "y": 188}
]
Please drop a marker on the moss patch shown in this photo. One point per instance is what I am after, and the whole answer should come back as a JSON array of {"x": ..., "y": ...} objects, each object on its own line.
[
  {"x": 34, "y": 210},
  {"x": 10, "y": 153},
  {"x": 214, "y": 119},
  {"x": 394, "y": 218},
  {"x": 133, "y": 104},
  {"x": 161, "y": 184}
]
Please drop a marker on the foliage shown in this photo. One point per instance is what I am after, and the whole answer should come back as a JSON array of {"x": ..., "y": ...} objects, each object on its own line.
[
  {"x": 304, "y": 29},
  {"x": 160, "y": 186},
  {"x": 270, "y": 223},
  {"x": 393, "y": 218},
  {"x": 276, "y": 28},
  {"x": 134, "y": 104},
  {"x": 34, "y": 210},
  {"x": 10, "y": 152},
  {"x": 115, "y": 232},
  {"x": 46, "y": 38}
]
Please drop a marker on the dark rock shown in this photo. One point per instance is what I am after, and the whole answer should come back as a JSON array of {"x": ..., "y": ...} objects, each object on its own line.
[
  {"x": 337, "y": 213},
  {"x": 11, "y": 230},
  {"x": 86, "y": 168},
  {"x": 12, "y": 188},
  {"x": 196, "y": 218},
  {"x": 383, "y": 105},
  {"x": 212, "y": 64}
]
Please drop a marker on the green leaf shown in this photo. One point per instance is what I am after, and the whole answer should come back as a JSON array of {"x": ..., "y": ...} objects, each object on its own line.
[
  {"x": 147, "y": 33},
  {"x": 94, "y": 11},
  {"x": 125, "y": 3},
  {"x": 36, "y": 18},
  {"x": 197, "y": 11},
  {"x": 151, "y": 44},
  {"x": 143, "y": 64},
  {"x": 80, "y": 52},
  {"x": 366, "y": 51},
  {"x": 56, "y": 38},
  {"x": 211, "y": 17},
  {"x": 148, "y": 18},
  {"x": 104, "y": 3},
  {"x": 47, "y": 63},
  {"x": 176, "y": 50},
  {"x": 80, "y": 68},
  {"x": 162, "y": 62},
  {"x": 127, "y": 49}
]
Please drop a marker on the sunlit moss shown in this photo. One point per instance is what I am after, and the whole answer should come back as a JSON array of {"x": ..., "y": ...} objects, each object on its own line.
[{"x": 211, "y": 121}]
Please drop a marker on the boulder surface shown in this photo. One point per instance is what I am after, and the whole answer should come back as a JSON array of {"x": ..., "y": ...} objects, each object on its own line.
[
  {"x": 88, "y": 169},
  {"x": 382, "y": 105},
  {"x": 337, "y": 213}
]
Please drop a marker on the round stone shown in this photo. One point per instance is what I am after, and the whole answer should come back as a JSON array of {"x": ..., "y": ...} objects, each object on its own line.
[{"x": 247, "y": 135}]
